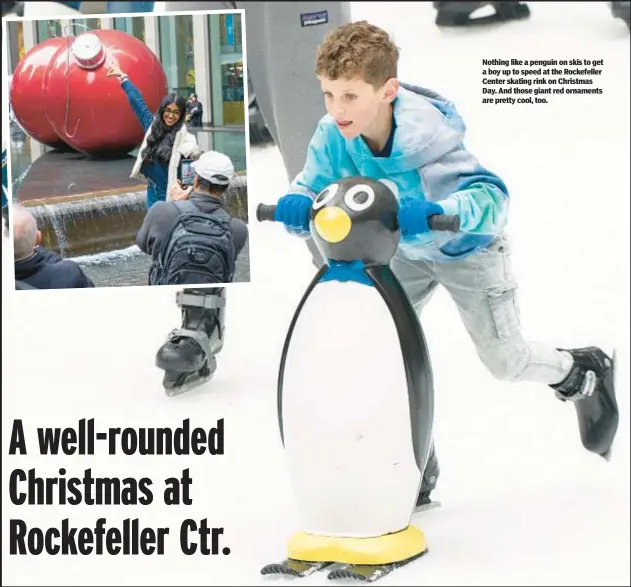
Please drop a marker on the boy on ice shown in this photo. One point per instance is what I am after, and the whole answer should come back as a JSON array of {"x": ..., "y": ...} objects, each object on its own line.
[{"x": 380, "y": 128}]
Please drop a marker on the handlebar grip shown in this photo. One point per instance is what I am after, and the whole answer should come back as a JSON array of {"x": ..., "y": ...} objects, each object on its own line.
[
  {"x": 265, "y": 212},
  {"x": 444, "y": 222}
]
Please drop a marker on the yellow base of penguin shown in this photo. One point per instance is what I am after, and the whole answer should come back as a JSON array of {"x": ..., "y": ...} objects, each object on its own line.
[{"x": 380, "y": 550}]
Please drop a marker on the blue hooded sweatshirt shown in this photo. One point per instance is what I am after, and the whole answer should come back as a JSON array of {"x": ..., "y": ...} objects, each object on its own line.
[{"x": 427, "y": 161}]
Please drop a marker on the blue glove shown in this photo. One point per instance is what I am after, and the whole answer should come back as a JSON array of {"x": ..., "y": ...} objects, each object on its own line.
[
  {"x": 293, "y": 211},
  {"x": 414, "y": 214}
]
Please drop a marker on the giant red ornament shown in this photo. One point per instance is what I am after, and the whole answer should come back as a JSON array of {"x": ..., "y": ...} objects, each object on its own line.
[
  {"x": 27, "y": 94},
  {"x": 83, "y": 107}
]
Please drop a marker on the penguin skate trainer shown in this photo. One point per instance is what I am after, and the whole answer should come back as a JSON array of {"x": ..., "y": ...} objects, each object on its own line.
[{"x": 358, "y": 484}]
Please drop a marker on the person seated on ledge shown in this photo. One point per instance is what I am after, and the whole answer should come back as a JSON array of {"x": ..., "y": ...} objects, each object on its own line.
[
  {"x": 37, "y": 266},
  {"x": 218, "y": 245}
]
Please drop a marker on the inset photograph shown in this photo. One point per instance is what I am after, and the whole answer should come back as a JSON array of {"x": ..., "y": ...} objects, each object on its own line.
[{"x": 128, "y": 150}]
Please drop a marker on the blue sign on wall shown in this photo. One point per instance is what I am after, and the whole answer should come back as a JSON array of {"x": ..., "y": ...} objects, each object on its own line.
[{"x": 230, "y": 29}]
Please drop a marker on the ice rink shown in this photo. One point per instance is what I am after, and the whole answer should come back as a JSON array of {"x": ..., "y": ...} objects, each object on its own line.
[{"x": 522, "y": 502}]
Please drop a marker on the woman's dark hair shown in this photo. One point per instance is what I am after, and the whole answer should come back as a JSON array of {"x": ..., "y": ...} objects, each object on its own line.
[{"x": 161, "y": 138}]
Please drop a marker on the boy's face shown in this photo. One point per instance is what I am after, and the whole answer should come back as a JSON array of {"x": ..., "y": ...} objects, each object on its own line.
[{"x": 358, "y": 109}]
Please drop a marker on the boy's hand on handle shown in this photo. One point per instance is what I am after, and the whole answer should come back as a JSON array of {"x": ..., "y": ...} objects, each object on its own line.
[
  {"x": 293, "y": 211},
  {"x": 414, "y": 216}
]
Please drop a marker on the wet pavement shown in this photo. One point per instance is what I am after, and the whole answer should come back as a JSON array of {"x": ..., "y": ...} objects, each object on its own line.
[{"x": 38, "y": 172}]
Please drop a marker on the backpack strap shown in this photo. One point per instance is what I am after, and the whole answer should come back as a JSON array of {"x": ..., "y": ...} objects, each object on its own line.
[{"x": 187, "y": 206}]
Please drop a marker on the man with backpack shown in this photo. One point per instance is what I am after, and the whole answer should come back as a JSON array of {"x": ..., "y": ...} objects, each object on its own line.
[{"x": 192, "y": 239}]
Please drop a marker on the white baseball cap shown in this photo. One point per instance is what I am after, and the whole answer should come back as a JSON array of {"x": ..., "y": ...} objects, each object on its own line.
[{"x": 215, "y": 167}]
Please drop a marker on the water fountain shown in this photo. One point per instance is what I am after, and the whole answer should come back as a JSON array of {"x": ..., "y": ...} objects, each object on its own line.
[{"x": 87, "y": 224}]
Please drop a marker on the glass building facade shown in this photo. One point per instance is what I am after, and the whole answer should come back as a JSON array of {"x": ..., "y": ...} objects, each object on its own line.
[
  {"x": 201, "y": 55},
  {"x": 231, "y": 56},
  {"x": 177, "y": 53}
]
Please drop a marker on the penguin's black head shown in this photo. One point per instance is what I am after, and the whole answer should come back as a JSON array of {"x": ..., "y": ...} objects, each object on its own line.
[{"x": 356, "y": 218}]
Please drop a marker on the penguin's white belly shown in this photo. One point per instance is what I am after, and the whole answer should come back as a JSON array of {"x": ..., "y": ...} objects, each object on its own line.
[{"x": 346, "y": 415}]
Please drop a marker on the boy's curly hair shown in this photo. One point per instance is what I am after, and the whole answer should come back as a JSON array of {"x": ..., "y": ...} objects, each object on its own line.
[{"x": 358, "y": 49}]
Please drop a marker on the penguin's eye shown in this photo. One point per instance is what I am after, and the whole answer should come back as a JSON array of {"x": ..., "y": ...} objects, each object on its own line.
[
  {"x": 325, "y": 196},
  {"x": 359, "y": 197}
]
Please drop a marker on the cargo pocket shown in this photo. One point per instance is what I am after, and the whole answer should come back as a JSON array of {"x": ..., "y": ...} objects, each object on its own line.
[{"x": 503, "y": 305}]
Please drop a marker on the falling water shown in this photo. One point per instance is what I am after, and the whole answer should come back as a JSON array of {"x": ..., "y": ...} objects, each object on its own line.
[
  {"x": 235, "y": 200},
  {"x": 99, "y": 233},
  {"x": 89, "y": 226},
  {"x": 62, "y": 242}
]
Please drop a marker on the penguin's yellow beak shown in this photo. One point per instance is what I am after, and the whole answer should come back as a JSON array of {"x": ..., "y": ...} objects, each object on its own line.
[{"x": 333, "y": 224}]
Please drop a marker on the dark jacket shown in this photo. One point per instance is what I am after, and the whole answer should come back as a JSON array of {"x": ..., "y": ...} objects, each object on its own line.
[
  {"x": 195, "y": 110},
  {"x": 45, "y": 269},
  {"x": 162, "y": 216}
]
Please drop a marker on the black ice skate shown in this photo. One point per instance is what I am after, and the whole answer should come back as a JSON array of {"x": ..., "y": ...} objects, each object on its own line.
[
  {"x": 621, "y": 10},
  {"x": 591, "y": 386},
  {"x": 459, "y": 14},
  {"x": 188, "y": 356},
  {"x": 428, "y": 484},
  {"x": 12, "y": 9}
]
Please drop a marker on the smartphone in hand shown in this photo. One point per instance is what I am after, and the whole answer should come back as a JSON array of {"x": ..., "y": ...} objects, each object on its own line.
[{"x": 187, "y": 174}]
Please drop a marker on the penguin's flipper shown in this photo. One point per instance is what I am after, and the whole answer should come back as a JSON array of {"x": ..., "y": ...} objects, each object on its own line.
[
  {"x": 290, "y": 331},
  {"x": 416, "y": 358}
]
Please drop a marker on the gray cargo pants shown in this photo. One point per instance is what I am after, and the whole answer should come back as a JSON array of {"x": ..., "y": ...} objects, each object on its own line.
[{"x": 483, "y": 288}]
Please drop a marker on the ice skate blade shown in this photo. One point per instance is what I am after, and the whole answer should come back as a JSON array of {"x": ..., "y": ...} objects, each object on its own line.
[
  {"x": 463, "y": 20},
  {"x": 426, "y": 507},
  {"x": 369, "y": 573},
  {"x": 173, "y": 387},
  {"x": 188, "y": 386},
  {"x": 192, "y": 382},
  {"x": 614, "y": 377},
  {"x": 294, "y": 568}
]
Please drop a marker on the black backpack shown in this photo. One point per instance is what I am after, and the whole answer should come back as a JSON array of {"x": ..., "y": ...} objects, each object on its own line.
[{"x": 198, "y": 249}]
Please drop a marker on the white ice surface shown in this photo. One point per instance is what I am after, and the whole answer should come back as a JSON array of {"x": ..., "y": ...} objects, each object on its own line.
[{"x": 523, "y": 502}]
